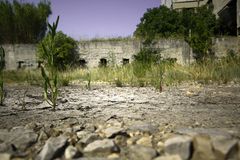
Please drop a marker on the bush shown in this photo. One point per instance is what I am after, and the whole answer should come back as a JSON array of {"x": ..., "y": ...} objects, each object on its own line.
[{"x": 65, "y": 54}]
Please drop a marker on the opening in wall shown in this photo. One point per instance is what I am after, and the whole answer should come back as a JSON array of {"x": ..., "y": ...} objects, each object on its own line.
[
  {"x": 103, "y": 62},
  {"x": 82, "y": 63},
  {"x": 125, "y": 61}
]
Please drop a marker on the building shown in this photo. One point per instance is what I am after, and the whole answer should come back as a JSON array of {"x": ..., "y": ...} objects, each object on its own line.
[{"x": 227, "y": 10}]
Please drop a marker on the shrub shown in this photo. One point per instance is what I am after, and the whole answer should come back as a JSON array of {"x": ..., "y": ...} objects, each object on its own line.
[{"x": 65, "y": 54}]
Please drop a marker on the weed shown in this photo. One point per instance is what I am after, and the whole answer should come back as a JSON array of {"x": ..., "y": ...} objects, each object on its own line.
[
  {"x": 49, "y": 70},
  {"x": 2, "y": 65}
]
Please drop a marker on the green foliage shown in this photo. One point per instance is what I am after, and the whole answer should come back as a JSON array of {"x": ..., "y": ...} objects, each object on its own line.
[
  {"x": 195, "y": 26},
  {"x": 65, "y": 54},
  {"x": 49, "y": 69},
  {"x": 159, "y": 22},
  {"x": 23, "y": 22},
  {"x": 2, "y": 64}
]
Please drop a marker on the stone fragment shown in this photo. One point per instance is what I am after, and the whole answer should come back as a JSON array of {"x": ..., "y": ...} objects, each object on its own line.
[
  {"x": 212, "y": 132},
  {"x": 160, "y": 147},
  {"x": 137, "y": 152},
  {"x": 113, "y": 131},
  {"x": 113, "y": 156},
  {"x": 120, "y": 140},
  {"x": 180, "y": 145},
  {"x": 21, "y": 138},
  {"x": 53, "y": 148},
  {"x": 143, "y": 127},
  {"x": 71, "y": 152},
  {"x": 225, "y": 148},
  {"x": 42, "y": 136},
  {"x": 169, "y": 157},
  {"x": 89, "y": 138},
  {"x": 145, "y": 141},
  {"x": 5, "y": 156},
  {"x": 105, "y": 145},
  {"x": 202, "y": 148},
  {"x": 82, "y": 134}
]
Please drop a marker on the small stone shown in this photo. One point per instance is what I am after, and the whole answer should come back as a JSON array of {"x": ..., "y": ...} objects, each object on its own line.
[
  {"x": 113, "y": 131},
  {"x": 42, "y": 136},
  {"x": 120, "y": 140},
  {"x": 202, "y": 148},
  {"x": 53, "y": 148},
  {"x": 169, "y": 157},
  {"x": 225, "y": 148},
  {"x": 180, "y": 145},
  {"x": 160, "y": 147},
  {"x": 105, "y": 145},
  {"x": 132, "y": 140},
  {"x": 143, "y": 127},
  {"x": 82, "y": 134},
  {"x": 145, "y": 141},
  {"x": 89, "y": 138},
  {"x": 113, "y": 156},
  {"x": 5, "y": 156},
  {"x": 140, "y": 152},
  {"x": 71, "y": 152}
]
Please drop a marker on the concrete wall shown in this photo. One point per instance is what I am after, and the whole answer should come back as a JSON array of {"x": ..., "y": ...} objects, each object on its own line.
[
  {"x": 115, "y": 51},
  {"x": 20, "y": 52},
  {"x": 225, "y": 44}
]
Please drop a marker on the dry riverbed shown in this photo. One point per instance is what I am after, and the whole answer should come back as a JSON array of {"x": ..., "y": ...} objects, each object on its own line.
[{"x": 122, "y": 117}]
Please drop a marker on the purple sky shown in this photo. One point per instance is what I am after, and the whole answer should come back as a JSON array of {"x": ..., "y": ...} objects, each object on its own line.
[{"x": 83, "y": 19}]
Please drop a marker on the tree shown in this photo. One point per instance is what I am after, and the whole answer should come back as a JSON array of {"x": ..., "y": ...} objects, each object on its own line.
[
  {"x": 23, "y": 22},
  {"x": 66, "y": 50},
  {"x": 159, "y": 22}
]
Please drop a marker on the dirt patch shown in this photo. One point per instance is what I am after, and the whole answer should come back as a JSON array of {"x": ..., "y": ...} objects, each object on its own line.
[{"x": 209, "y": 106}]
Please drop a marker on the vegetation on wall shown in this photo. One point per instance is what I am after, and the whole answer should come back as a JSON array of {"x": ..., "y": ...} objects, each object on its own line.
[
  {"x": 195, "y": 26},
  {"x": 23, "y": 22},
  {"x": 66, "y": 50}
]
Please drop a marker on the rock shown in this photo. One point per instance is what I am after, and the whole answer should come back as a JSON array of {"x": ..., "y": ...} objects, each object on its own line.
[
  {"x": 225, "y": 148},
  {"x": 42, "y": 136},
  {"x": 113, "y": 156},
  {"x": 202, "y": 148},
  {"x": 71, "y": 152},
  {"x": 53, "y": 148},
  {"x": 212, "y": 132},
  {"x": 4, "y": 147},
  {"x": 89, "y": 138},
  {"x": 145, "y": 141},
  {"x": 160, "y": 147},
  {"x": 91, "y": 158},
  {"x": 137, "y": 152},
  {"x": 169, "y": 157},
  {"x": 143, "y": 127},
  {"x": 180, "y": 145},
  {"x": 113, "y": 131},
  {"x": 20, "y": 137},
  {"x": 5, "y": 156},
  {"x": 82, "y": 134},
  {"x": 120, "y": 140},
  {"x": 105, "y": 145}
]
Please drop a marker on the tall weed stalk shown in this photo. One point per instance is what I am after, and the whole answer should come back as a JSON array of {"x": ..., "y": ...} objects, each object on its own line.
[{"x": 49, "y": 69}]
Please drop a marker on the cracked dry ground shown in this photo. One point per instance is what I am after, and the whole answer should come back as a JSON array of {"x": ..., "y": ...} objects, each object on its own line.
[{"x": 206, "y": 106}]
